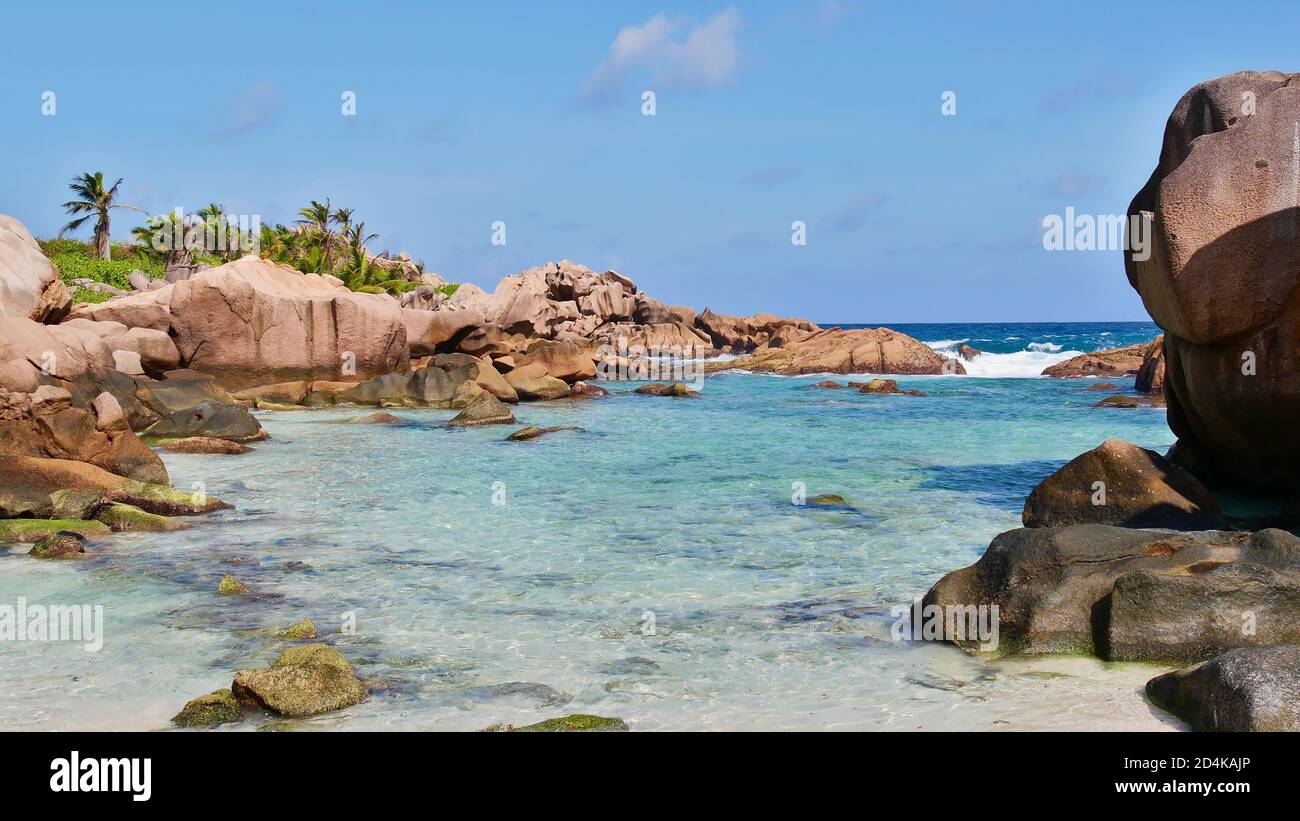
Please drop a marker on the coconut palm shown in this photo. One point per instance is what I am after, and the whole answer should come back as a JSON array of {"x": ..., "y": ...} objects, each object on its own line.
[
  {"x": 96, "y": 202},
  {"x": 318, "y": 217}
]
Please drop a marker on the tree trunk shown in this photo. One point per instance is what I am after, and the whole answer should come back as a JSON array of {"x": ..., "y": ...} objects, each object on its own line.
[{"x": 102, "y": 249}]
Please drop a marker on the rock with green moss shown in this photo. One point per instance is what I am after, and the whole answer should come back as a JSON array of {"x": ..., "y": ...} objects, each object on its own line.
[
  {"x": 61, "y": 545},
  {"x": 217, "y": 707},
  {"x": 299, "y": 631},
  {"x": 33, "y": 530},
  {"x": 121, "y": 518},
  {"x": 303, "y": 681},
  {"x": 81, "y": 505},
  {"x": 230, "y": 586},
  {"x": 578, "y": 723},
  {"x": 828, "y": 500}
]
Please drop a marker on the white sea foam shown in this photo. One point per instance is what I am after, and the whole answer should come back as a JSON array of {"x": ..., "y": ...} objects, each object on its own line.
[{"x": 1016, "y": 365}]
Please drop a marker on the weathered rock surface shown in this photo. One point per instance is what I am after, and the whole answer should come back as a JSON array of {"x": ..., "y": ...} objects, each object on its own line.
[
  {"x": 1148, "y": 400},
  {"x": 1151, "y": 375},
  {"x": 578, "y": 723},
  {"x": 1112, "y": 363},
  {"x": 45, "y": 424},
  {"x": 205, "y": 444},
  {"x": 530, "y": 433},
  {"x": 667, "y": 389},
  {"x": 1138, "y": 488},
  {"x": 884, "y": 387},
  {"x": 832, "y": 350},
  {"x": 29, "y": 283},
  {"x": 1222, "y": 274},
  {"x": 252, "y": 322},
  {"x": 303, "y": 681},
  {"x": 1250, "y": 689},
  {"x": 1130, "y": 595},
  {"x": 65, "y": 544},
  {"x": 150, "y": 310}
]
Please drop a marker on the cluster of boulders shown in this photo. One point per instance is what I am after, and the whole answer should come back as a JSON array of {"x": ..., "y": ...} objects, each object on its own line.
[
  {"x": 1129, "y": 555},
  {"x": 1143, "y": 362}
]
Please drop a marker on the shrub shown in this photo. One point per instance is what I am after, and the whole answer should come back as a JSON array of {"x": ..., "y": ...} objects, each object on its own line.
[{"x": 112, "y": 272}]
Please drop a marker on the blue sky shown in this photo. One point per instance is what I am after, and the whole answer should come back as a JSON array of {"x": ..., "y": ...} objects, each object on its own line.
[{"x": 827, "y": 111}]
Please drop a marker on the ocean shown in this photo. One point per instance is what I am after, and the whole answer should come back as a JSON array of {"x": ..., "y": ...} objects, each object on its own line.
[{"x": 652, "y": 565}]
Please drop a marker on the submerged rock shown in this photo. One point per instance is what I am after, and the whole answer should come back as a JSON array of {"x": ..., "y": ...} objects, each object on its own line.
[
  {"x": 485, "y": 409},
  {"x": 217, "y": 707},
  {"x": 530, "y": 433},
  {"x": 299, "y": 631},
  {"x": 303, "y": 681},
  {"x": 577, "y": 723},
  {"x": 377, "y": 418},
  {"x": 1103, "y": 386},
  {"x": 586, "y": 390},
  {"x": 1145, "y": 401},
  {"x": 1251, "y": 689},
  {"x": 1132, "y": 595},
  {"x": 64, "y": 544},
  {"x": 1119, "y": 483},
  {"x": 883, "y": 387},
  {"x": 827, "y": 500},
  {"x": 230, "y": 586}
]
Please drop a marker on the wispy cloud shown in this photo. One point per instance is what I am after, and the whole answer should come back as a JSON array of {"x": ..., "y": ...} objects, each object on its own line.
[
  {"x": 674, "y": 54},
  {"x": 1076, "y": 183},
  {"x": 1062, "y": 99},
  {"x": 854, "y": 215},
  {"x": 771, "y": 177},
  {"x": 249, "y": 111}
]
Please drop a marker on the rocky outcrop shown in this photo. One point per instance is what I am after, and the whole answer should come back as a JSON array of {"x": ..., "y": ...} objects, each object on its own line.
[
  {"x": 1221, "y": 274},
  {"x": 742, "y": 334},
  {"x": 1112, "y": 363},
  {"x": 1119, "y": 483},
  {"x": 303, "y": 681},
  {"x": 1251, "y": 689},
  {"x": 42, "y": 488},
  {"x": 45, "y": 424},
  {"x": 30, "y": 287},
  {"x": 1128, "y": 595},
  {"x": 251, "y": 322},
  {"x": 866, "y": 350},
  {"x": 1151, "y": 375},
  {"x": 150, "y": 310},
  {"x": 211, "y": 420}
]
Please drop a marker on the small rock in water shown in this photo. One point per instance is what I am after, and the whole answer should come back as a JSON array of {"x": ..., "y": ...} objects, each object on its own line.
[
  {"x": 303, "y": 681},
  {"x": 1103, "y": 386},
  {"x": 578, "y": 723},
  {"x": 377, "y": 418},
  {"x": 829, "y": 383},
  {"x": 662, "y": 389},
  {"x": 586, "y": 390},
  {"x": 1151, "y": 400},
  {"x": 205, "y": 444},
  {"x": 531, "y": 432},
  {"x": 827, "y": 500},
  {"x": 486, "y": 409},
  {"x": 884, "y": 387},
  {"x": 230, "y": 586},
  {"x": 299, "y": 631},
  {"x": 217, "y": 707},
  {"x": 61, "y": 545}
]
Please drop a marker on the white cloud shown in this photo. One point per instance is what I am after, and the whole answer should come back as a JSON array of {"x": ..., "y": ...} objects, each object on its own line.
[{"x": 675, "y": 54}]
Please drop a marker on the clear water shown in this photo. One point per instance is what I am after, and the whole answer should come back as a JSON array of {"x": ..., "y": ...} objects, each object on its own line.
[{"x": 470, "y": 613}]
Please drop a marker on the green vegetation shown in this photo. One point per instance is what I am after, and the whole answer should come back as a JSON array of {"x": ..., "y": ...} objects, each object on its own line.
[
  {"x": 578, "y": 723},
  {"x": 323, "y": 240}
]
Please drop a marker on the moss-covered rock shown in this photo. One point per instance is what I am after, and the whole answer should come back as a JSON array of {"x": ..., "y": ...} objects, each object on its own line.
[
  {"x": 33, "y": 530},
  {"x": 533, "y": 432},
  {"x": 303, "y": 681},
  {"x": 121, "y": 518},
  {"x": 80, "y": 505},
  {"x": 217, "y": 707},
  {"x": 827, "y": 500},
  {"x": 662, "y": 389},
  {"x": 578, "y": 723},
  {"x": 299, "y": 631},
  {"x": 62, "y": 545},
  {"x": 230, "y": 586}
]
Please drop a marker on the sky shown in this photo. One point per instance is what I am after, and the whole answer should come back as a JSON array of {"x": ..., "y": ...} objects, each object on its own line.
[{"x": 826, "y": 112}]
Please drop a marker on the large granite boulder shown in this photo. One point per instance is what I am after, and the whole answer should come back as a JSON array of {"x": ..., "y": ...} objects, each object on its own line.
[
  {"x": 29, "y": 283},
  {"x": 150, "y": 310},
  {"x": 1151, "y": 375},
  {"x": 1250, "y": 689},
  {"x": 832, "y": 350},
  {"x": 1131, "y": 595},
  {"x": 1119, "y": 483},
  {"x": 1221, "y": 274},
  {"x": 156, "y": 351},
  {"x": 252, "y": 322},
  {"x": 742, "y": 334}
]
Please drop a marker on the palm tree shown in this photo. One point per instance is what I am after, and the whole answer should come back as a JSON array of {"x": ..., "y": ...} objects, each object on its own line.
[
  {"x": 317, "y": 216},
  {"x": 95, "y": 202}
]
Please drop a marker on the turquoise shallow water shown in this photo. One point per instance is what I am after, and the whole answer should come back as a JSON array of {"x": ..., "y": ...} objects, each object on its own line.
[{"x": 470, "y": 612}]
